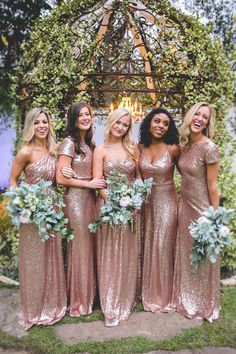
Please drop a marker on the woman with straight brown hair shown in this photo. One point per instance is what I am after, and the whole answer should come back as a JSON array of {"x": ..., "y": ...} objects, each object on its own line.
[{"x": 76, "y": 152}]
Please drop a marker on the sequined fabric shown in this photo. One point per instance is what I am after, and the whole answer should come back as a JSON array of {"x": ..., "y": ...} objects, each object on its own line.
[
  {"x": 41, "y": 267},
  {"x": 195, "y": 295},
  {"x": 117, "y": 260},
  {"x": 80, "y": 210},
  {"x": 159, "y": 229}
]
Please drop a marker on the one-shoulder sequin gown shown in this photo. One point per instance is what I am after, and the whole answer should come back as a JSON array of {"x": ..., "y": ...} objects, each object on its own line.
[
  {"x": 117, "y": 260},
  {"x": 80, "y": 210},
  {"x": 195, "y": 295},
  {"x": 159, "y": 230},
  {"x": 41, "y": 268}
]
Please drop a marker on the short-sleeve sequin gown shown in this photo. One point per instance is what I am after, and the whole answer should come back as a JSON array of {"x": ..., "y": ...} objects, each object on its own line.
[
  {"x": 195, "y": 295},
  {"x": 159, "y": 230},
  {"x": 117, "y": 260},
  {"x": 41, "y": 268},
  {"x": 80, "y": 210}
]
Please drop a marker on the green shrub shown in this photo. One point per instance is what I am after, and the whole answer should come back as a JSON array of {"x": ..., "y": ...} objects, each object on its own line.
[{"x": 8, "y": 244}]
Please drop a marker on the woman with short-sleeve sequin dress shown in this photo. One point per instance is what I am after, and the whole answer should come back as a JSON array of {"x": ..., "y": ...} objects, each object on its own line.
[
  {"x": 76, "y": 154},
  {"x": 196, "y": 295},
  {"x": 159, "y": 152},
  {"x": 41, "y": 268},
  {"x": 117, "y": 245}
]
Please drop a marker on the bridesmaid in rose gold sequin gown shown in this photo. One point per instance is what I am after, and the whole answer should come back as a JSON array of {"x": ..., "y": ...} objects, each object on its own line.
[
  {"x": 76, "y": 151},
  {"x": 41, "y": 268},
  {"x": 117, "y": 245},
  {"x": 159, "y": 152},
  {"x": 196, "y": 295}
]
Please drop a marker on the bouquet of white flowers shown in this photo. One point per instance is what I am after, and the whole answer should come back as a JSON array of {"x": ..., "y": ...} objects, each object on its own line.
[
  {"x": 122, "y": 199},
  {"x": 210, "y": 235},
  {"x": 35, "y": 203}
]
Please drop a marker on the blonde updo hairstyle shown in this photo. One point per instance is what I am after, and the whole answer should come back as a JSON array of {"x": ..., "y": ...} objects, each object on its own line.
[
  {"x": 184, "y": 131},
  {"x": 28, "y": 131},
  {"x": 128, "y": 142}
]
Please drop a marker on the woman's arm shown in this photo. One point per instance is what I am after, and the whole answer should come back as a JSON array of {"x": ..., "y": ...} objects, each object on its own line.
[
  {"x": 137, "y": 158},
  {"x": 98, "y": 157},
  {"x": 212, "y": 173},
  {"x": 174, "y": 152},
  {"x": 21, "y": 160},
  {"x": 65, "y": 161}
]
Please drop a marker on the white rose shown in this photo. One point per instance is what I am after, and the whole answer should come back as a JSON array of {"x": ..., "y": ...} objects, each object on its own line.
[
  {"x": 224, "y": 231},
  {"x": 25, "y": 216},
  {"x": 203, "y": 219},
  {"x": 125, "y": 201}
]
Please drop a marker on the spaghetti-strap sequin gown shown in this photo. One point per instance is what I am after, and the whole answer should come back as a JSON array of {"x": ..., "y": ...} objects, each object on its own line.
[
  {"x": 80, "y": 210},
  {"x": 41, "y": 267},
  {"x": 117, "y": 260},
  {"x": 159, "y": 230},
  {"x": 195, "y": 295}
]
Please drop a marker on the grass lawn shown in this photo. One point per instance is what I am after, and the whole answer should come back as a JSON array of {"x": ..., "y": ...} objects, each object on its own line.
[{"x": 221, "y": 333}]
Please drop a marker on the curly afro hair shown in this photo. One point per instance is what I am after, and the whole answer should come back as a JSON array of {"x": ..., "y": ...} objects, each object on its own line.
[{"x": 145, "y": 137}]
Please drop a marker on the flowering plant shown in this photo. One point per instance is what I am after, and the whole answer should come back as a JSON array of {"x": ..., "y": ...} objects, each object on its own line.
[
  {"x": 122, "y": 199},
  {"x": 35, "y": 203},
  {"x": 210, "y": 235}
]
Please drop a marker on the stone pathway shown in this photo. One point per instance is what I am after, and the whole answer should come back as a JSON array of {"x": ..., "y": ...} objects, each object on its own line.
[
  {"x": 145, "y": 324},
  {"x": 151, "y": 326}
]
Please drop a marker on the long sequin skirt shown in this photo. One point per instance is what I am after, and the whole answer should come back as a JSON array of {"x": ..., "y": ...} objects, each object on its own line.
[
  {"x": 80, "y": 209},
  {"x": 117, "y": 267},
  {"x": 42, "y": 278}
]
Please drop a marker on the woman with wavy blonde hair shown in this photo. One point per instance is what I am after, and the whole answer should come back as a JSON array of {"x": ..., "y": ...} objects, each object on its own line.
[
  {"x": 28, "y": 131},
  {"x": 196, "y": 295},
  {"x": 43, "y": 298},
  {"x": 184, "y": 130},
  {"x": 117, "y": 246}
]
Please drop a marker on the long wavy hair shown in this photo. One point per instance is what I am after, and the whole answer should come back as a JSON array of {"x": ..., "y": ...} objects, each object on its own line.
[
  {"x": 128, "y": 142},
  {"x": 184, "y": 130},
  {"x": 74, "y": 132},
  {"x": 28, "y": 131},
  {"x": 145, "y": 137}
]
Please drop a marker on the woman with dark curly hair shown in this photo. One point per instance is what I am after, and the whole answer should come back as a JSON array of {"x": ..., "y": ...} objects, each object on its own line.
[
  {"x": 76, "y": 155},
  {"x": 159, "y": 153}
]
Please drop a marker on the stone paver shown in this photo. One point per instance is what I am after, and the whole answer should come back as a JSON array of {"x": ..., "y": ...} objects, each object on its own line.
[
  {"x": 229, "y": 282},
  {"x": 198, "y": 351},
  {"x": 12, "y": 351},
  {"x": 146, "y": 324},
  {"x": 9, "y": 307}
]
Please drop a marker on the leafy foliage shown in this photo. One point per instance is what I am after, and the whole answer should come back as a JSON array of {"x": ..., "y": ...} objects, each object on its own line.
[
  {"x": 8, "y": 244},
  {"x": 210, "y": 235},
  {"x": 41, "y": 205},
  {"x": 122, "y": 198}
]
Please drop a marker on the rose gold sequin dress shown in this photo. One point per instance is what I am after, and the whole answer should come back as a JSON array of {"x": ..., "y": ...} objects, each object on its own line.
[
  {"x": 117, "y": 260},
  {"x": 195, "y": 295},
  {"x": 41, "y": 267},
  {"x": 159, "y": 229},
  {"x": 80, "y": 210}
]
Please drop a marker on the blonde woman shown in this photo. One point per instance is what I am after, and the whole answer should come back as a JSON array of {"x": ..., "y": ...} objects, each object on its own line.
[
  {"x": 196, "y": 295},
  {"x": 41, "y": 268},
  {"x": 117, "y": 246}
]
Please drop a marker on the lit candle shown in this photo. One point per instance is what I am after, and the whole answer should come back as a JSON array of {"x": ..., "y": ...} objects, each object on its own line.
[{"x": 112, "y": 107}]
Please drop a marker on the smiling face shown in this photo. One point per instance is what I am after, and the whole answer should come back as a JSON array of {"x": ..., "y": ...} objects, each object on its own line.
[
  {"x": 84, "y": 119},
  {"x": 41, "y": 126},
  {"x": 121, "y": 126},
  {"x": 200, "y": 120},
  {"x": 159, "y": 125}
]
